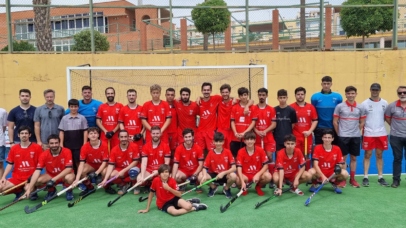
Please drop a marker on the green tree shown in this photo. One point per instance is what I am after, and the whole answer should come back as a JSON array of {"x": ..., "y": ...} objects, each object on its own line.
[
  {"x": 364, "y": 21},
  {"x": 42, "y": 24},
  {"x": 20, "y": 46},
  {"x": 211, "y": 20},
  {"x": 83, "y": 41}
]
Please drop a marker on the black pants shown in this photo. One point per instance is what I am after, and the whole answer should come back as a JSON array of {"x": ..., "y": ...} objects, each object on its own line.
[
  {"x": 235, "y": 147},
  {"x": 398, "y": 145}
]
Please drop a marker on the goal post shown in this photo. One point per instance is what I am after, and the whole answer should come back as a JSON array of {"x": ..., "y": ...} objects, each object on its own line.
[{"x": 121, "y": 79}]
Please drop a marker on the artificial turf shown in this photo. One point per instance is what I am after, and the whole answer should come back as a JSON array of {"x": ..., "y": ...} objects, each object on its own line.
[{"x": 373, "y": 206}]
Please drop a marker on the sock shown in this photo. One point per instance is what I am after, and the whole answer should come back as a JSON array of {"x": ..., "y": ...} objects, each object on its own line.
[
  {"x": 352, "y": 175},
  {"x": 366, "y": 176},
  {"x": 380, "y": 176},
  {"x": 127, "y": 180},
  {"x": 259, "y": 190}
]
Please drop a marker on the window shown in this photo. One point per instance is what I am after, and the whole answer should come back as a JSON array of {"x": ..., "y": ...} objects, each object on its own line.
[
  {"x": 30, "y": 27},
  {"x": 85, "y": 22},
  {"x": 64, "y": 24},
  {"x": 57, "y": 25},
  {"x": 78, "y": 23},
  {"x": 71, "y": 24},
  {"x": 100, "y": 21}
]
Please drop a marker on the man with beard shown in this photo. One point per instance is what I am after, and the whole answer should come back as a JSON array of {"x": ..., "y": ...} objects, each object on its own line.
[
  {"x": 57, "y": 162},
  {"x": 107, "y": 118},
  {"x": 173, "y": 127},
  {"x": 47, "y": 118},
  {"x": 22, "y": 115},
  {"x": 187, "y": 112},
  {"x": 88, "y": 106},
  {"x": 130, "y": 119}
]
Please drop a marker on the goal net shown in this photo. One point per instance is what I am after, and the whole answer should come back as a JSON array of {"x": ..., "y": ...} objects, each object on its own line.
[{"x": 121, "y": 79}]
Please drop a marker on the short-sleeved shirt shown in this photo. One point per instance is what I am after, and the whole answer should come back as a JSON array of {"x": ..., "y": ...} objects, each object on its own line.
[
  {"x": 22, "y": 117},
  {"x": 55, "y": 164},
  {"x": 305, "y": 116},
  {"x": 131, "y": 119},
  {"x": 156, "y": 114},
  {"x": 325, "y": 104},
  {"x": 3, "y": 123},
  {"x": 162, "y": 195},
  {"x": 94, "y": 156},
  {"x": 208, "y": 113},
  {"x": 397, "y": 114},
  {"x": 49, "y": 119},
  {"x": 122, "y": 158},
  {"x": 375, "y": 120},
  {"x": 349, "y": 117},
  {"x": 266, "y": 116},
  {"x": 252, "y": 163},
  {"x": 218, "y": 162},
  {"x": 188, "y": 159},
  {"x": 156, "y": 156},
  {"x": 224, "y": 115},
  {"x": 242, "y": 122},
  {"x": 89, "y": 111},
  {"x": 25, "y": 160},
  {"x": 109, "y": 115},
  {"x": 285, "y": 117},
  {"x": 173, "y": 126},
  {"x": 187, "y": 115},
  {"x": 327, "y": 159},
  {"x": 73, "y": 128},
  {"x": 291, "y": 165}
]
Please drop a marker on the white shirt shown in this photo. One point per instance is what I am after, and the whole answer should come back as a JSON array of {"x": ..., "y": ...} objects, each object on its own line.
[
  {"x": 375, "y": 121},
  {"x": 3, "y": 123}
]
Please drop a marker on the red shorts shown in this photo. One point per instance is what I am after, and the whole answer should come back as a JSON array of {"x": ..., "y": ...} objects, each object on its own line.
[
  {"x": 114, "y": 141},
  {"x": 187, "y": 172},
  {"x": 271, "y": 168},
  {"x": 300, "y": 144},
  {"x": 250, "y": 176},
  {"x": 269, "y": 142},
  {"x": 205, "y": 139},
  {"x": 173, "y": 140},
  {"x": 227, "y": 137},
  {"x": 60, "y": 180},
  {"x": 16, "y": 180},
  {"x": 290, "y": 177},
  {"x": 375, "y": 142},
  {"x": 118, "y": 169},
  {"x": 95, "y": 166}
]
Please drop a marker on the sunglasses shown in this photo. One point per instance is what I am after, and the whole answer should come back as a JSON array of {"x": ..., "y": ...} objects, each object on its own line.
[
  {"x": 25, "y": 114},
  {"x": 402, "y": 93},
  {"x": 49, "y": 114}
]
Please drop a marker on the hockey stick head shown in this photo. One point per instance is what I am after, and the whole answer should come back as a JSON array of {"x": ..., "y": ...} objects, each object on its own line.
[
  {"x": 142, "y": 199},
  {"x": 222, "y": 209},
  {"x": 307, "y": 202},
  {"x": 337, "y": 169},
  {"x": 257, "y": 205},
  {"x": 109, "y": 204}
]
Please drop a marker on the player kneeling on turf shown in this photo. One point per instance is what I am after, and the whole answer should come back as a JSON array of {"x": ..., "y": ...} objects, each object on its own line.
[
  {"x": 219, "y": 163},
  {"x": 188, "y": 160},
  {"x": 168, "y": 197},
  {"x": 290, "y": 166},
  {"x": 58, "y": 165},
  {"x": 252, "y": 165},
  {"x": 325, "y": 157},
  {"x": 94, "y": 156}
]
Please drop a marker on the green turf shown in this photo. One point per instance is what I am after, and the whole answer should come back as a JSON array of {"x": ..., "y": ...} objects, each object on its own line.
[{"x": 375, "y": 206}]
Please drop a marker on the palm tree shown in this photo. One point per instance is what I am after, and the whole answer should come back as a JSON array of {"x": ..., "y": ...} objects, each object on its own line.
[{"x": 42, "y": 23}]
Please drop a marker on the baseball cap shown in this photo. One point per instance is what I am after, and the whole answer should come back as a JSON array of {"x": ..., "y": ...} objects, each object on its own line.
[{"x": 375, "y": 86}]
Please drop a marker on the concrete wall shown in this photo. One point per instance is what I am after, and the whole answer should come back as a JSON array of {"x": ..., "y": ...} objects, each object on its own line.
[{"x": 285, "y": 70}]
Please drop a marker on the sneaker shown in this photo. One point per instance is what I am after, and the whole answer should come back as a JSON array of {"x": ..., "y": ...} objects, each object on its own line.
[
  {"x": 123, "y": 188},
  {"x": 395, "y": 184},
  {"x": 199, "y": 206},
  {"x": 193, "y": 200},
  {"x": 259, "y": 190},
  {"x": 18, "y": 195},
  {"x": 313, "y": 188},
  {"x": 50, "y": 194},
  {"x": 87, "y": 190},
  {"x": 199, "y": 190},
  {"x": 137, "y": 190},
  {"x": 336, "y": 189},
  {"x": 271, "y": 184},
  {"x": 212, "y": 191},
  {"x": 182, "y": 188},
  {"x": 108, "y": 189},
  {"x": 69, "y": 195},
  {"x": 34, "y": 197},
  {"x": 82, "y": 187},
  {"x": 365, "y": 182},
  {"x": 227, "y": 193},
  {"x": 382, "y": 182},
  {"x": 297, "y": 191},
  {"x": 342, "y": 184},
  {"x": 354, "y": 183}
]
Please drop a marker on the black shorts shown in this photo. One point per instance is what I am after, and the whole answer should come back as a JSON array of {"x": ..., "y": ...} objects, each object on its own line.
[
  {"x": 171, "y": 203},
  {"x": 220, "y": 181},
  {"x": 350, "y": 145},
  {"x": 75, "y": 155}
]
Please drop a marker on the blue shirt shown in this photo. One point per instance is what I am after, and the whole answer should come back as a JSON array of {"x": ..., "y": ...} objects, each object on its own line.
[
  {"x": 22, "y": 117},
  {"x": 89, "y": 111},
  {"x": 325, "y": 103}
]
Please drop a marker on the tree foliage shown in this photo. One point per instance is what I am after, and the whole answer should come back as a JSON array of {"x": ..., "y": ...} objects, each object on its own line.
[
  {"x": 42, "y": 24},
  {"x": 83, "y": 41},
  {"x": 20, "y": 46},
  {"x": 364, "y": 21},
  {"x": 211, "y": 20}
]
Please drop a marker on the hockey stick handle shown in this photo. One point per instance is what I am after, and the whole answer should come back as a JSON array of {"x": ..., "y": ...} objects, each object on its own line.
[
  {"x": 12, "y": 188},
  {"x": 11, "y": 204},
  {"x": 139, "y": 183},
  {"x": 107, "y": 182},
  {"x": 205, "y": 183},
  {"x": 305, "y": 149},
  {"x": 70, "y": 187},
  {"x": 184, "y": 183}
]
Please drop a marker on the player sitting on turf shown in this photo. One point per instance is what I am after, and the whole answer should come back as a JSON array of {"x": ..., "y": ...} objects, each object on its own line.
[
  {"x": 122, "y": 163},
  {"x": 290, "y": 166},
  {"x": 58, "y": 165},
  {"x": 219, "y": 163},
  {"x": 23, "y": 157},
  {"x": 168, "y": 197},
  {"x": 325, "y": 157},
  {"x": 188, "y": 160},
  {"x": 94, "y": 156},
  {"x": 252, "y": 165}
]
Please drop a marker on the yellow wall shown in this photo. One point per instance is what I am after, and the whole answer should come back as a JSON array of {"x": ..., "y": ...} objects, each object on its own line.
[{"x": 285, "y": 70}]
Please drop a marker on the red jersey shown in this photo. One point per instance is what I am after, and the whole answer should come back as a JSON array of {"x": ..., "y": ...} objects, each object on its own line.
[
  {"x": 327, "y": 160},
  {"x": 187, "y": 115},
  {"x": 265, "y": 115},
  {"x": 251, "y": 164},
  {"x": 131, "y": 119},
  {"x": 188, "y": 159},
  {"x": 290, "y": 165},
  {"x": 241, "y": 121},
  {"x": 218, "y": 162},
  {"x": 173, "y": 126},
  {"x": 55, "y": 164},
  {"x": 223, "y": 115},
  {"x": 162, "y": 195},
  {"x": 156, "y": 156},
  {"x": 109, "y": 115},
  {"x": 156, "y": 115},
  {"x": 208, "y": 113},
  {"x": 123, "y": 158},
  {"x": 94, "y": 156},
  {"x": 24, "y": 159},
  {"x": 305, "y": 116}
]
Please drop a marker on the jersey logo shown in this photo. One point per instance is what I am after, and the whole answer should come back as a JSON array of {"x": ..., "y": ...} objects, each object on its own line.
[
  {"x": 190, "y": 112},
  {"x": 155, "y": 162},
  {"x": 189, "y": 163},
  {"x": 110, "y": 118},
  {"x": 161, "y": 153},
  {"x": 301, "y": 120},
  {"x": 132, "y": 123},
  {"x": 206, "y": 113},
  {"x": 262, "y": 122},
  {"x": 32, "y": 154},
  {"x": 156, "y": 119},
  {"x": 97, "y": 161},
  {"x": 309, "y": 112},
  {"x": 25, "y": 164},
  {"x": 221, "y": 167},
  {"x": 252, "y": 168}
]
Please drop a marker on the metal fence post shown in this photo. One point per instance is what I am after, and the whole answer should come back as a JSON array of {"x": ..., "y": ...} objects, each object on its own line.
[
  {"x": 321, "y": 36},
  {"x": 93, "y": 48},
  {"x": 395, "y": 24},
  {"x": 247, "y": 28},
  {"x": 9, "y": 31},
  {"x": 170, "y": 26}
]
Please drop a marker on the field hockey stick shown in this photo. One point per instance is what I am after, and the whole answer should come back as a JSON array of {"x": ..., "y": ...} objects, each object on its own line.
[
  {"x": 108, "y": 145},
  {"x": 201, "y": 185},
  {"x": 11, "y": 204},
  {"x": 12, "y": 188},
  {"x": 29, "y": 210},
  {"x": 262, "y": 142},
  {"x": 141, "y": 199},
  {"x": 128, "y": 190},
  {"x": 71, "y": 204},
  {"x": 269, "y": 198},
  {"x": 318, "y": 189},
  {"x": 224, "y": 208}
]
